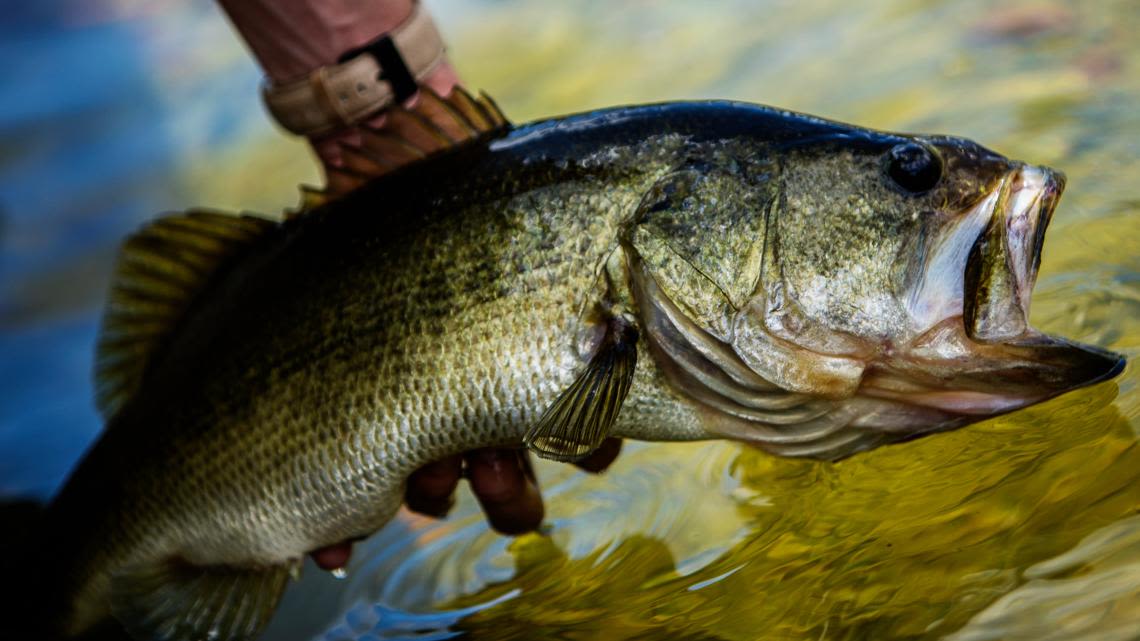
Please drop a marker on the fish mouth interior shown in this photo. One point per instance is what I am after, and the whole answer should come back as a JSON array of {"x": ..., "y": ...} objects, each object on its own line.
[
  {"x": 1002, "y": 265},
  {"x": 1003, "y": 363},
  {"x": 985, "y": 358}
]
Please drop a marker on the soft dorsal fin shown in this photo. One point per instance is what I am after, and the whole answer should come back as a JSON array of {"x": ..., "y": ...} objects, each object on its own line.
[
  {"x": 160, "y": 270},
  {"x": 410, "y": 134}
]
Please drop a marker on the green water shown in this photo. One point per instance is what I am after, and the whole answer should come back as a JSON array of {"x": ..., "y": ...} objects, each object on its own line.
[
  {"x": 949, "y": 536},
  {"x": 1023, "y": 527}
]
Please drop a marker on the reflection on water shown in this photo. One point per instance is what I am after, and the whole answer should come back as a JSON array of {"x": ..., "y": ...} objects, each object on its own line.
[
  {"x": 1018, "y": 528},
  {"x": 1090, "y": 592}
]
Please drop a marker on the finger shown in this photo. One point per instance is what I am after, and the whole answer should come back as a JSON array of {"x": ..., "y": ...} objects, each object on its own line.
[
  {"x": 442, "y": 79},
  {"x": 506, "y": 491},
  {"x": 527, "y": 465},
  {"x": 601, "y": 458},
  {"x": 333, "y": 557},
  {"x": 431, "y": 489}
]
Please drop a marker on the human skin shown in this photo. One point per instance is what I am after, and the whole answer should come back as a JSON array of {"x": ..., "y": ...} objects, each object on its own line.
[{"x": 290, "y": 38}]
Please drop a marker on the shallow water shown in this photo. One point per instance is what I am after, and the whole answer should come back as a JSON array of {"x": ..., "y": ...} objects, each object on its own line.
[{"x": 1024, "y": 527}]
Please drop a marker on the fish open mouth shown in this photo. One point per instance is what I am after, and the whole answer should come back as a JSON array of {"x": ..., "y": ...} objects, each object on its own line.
[
  {"x": 990, "y": 360},
  {"x": 1001, "y": 269}
]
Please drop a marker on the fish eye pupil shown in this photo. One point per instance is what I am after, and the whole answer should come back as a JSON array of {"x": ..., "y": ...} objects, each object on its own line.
[{"x": 914, "y": 167}]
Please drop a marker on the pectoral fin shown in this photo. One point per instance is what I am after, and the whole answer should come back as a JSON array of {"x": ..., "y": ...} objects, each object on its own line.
[
  {"x": 582, "y": 415},
  {"x": 177, "y": 601}
]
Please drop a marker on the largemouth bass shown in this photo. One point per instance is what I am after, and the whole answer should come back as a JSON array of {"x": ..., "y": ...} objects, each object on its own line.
[{"x": 669, "y": 272}]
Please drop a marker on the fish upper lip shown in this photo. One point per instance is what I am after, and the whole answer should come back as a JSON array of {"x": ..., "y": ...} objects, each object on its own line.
[{"x": 1034, "y": 194}]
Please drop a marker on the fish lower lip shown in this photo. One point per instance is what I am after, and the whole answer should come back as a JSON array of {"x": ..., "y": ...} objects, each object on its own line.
[
  {"x": 1113, "y": 371},
  {"x": 988, "y": 377},
  {"x": 1074, "y": 364}
]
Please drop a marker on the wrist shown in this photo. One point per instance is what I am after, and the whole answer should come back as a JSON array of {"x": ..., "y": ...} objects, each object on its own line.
[{"x": 291, "y": 38}]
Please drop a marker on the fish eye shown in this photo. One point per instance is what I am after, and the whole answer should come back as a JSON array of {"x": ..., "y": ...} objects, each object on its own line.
[{"x": 914, "y": 167}]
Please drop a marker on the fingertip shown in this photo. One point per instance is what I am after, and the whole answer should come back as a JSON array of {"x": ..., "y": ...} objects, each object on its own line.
[
  {"x": 506, "y": 490},
  {"x": 495, "y": 475},
  {"x": 333, "y": 557},
  {"x": 601, "y": 458},
  {"x": 431, "y": 488}
]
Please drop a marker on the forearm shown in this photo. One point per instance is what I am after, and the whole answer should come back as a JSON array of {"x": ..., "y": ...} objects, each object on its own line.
[{"x": 291, "y": 38}]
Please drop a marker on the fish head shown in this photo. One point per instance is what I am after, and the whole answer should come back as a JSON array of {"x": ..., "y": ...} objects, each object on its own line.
[
  {"x": 878, "y": 290},
  {"x": 964, "y": 281}
]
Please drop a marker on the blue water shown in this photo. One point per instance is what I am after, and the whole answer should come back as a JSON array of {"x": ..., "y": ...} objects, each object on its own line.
[{"x": 93, "y": 145}]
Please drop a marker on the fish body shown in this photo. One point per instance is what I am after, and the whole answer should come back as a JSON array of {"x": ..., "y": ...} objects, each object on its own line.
[{"x": 712, "y": 270}]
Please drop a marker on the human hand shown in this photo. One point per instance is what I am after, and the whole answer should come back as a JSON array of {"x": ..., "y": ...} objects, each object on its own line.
[
  {"x": 328, "y": 147},
  {"x": 502, "y": 479}
]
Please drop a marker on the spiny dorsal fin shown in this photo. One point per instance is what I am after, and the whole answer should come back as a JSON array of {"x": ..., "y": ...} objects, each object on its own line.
[
  {"x": 491, "y": 108},
  {"x": 176, "y": 601},
  {"x": 160, "y": 270},
  {"x": 410, "y": 134}
]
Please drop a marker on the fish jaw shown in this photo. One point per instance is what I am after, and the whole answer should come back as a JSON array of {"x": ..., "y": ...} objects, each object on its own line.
[
  {"x": 946, "y": 371},
  {"x": 980, "y": 357}
]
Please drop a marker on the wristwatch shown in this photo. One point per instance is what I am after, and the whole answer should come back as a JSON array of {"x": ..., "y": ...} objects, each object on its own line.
[{"x": 364, "y": 81}]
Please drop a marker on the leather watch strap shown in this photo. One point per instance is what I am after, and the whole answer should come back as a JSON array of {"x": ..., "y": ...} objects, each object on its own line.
[{"x": 347, "y": 93}]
